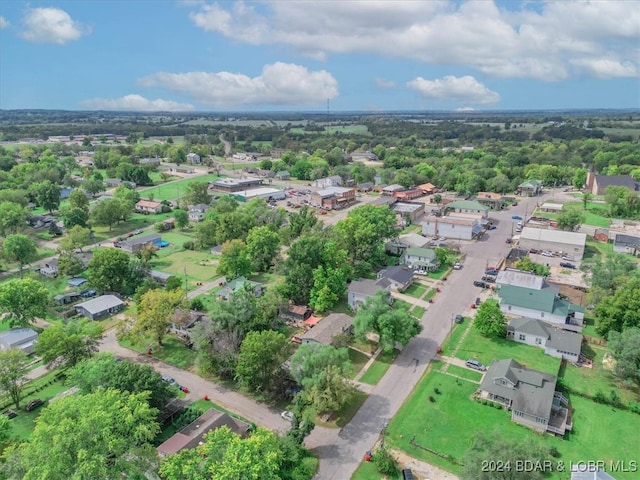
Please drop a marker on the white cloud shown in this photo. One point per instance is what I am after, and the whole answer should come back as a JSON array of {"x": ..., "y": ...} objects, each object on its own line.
[
  {"x": 279, "y": 84},
  {"x": 136, "y": 103},
  {"x": 51, "y": 25},
  {"x": 549, "y": 41},
  {"x": 383, "y": 83},
  {"x": 4, "y": 23},
  {"x": 466, "y": 90}
]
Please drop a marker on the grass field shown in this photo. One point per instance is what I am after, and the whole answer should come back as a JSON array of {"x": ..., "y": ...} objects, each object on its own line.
[
  {"x": 358, "y": 359},
  {"x": 173, "y": 190},
  {"x": 416, "y": 290},
  {"x": 173, "y": 351},
  {"x": 199, "y": 266},
  {"x": 379, "y": 367},
  {"x": 368, "y": 471},
  {"x": 417, "y": 311},
  {"x": 486, "y": 350},
  {"x": 450, "y": 424}
]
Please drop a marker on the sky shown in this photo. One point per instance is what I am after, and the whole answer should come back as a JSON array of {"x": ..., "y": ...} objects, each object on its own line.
[{"x": 341, "y": 55}]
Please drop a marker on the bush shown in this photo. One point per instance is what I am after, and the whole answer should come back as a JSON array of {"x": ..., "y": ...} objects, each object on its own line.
[
  {"x": 189, "y": 245},
  {"x": 186, "y": 417},
  {"x": 385, "y": 463},
  {"x": 599, "y": 397}
]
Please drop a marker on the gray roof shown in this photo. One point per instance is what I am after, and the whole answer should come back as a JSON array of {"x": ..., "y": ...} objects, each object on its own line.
[
  {"x": 518, "y": 278},
  {"x": 398, "y": 274},
  {"x": 202, "y": 207},
  {"x": 413, "y": 240},
  {"x": 100, "y": 304},
  {"x": 17, "y": 336},
  {"x": 324, "y": 331},
  {"x": 626, "y": 240},
  {"x": 617, "y": 180},
  {"x": 530, "y": 391},
  {"x": 556, "y": 236},
  {"x": 556, "y": 338},
  {"x": 142, "y": 240},
  {"x": 159, "y": 274},
  {"x": 365, "y": 286}
]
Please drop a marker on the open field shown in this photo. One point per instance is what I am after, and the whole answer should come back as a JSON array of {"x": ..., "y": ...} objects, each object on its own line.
[
  {"x": 450, "y": 424},
  {"x": 173, "y": 190},
  {"x": 196, "y": 266}
]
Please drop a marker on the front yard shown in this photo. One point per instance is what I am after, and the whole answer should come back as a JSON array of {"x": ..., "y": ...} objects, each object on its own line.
[
  {"x": 173, "y": 351},
  {"x": 379, "y": 367}
]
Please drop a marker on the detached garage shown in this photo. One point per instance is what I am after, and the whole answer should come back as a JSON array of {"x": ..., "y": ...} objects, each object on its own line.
[
  {"x": 100, "y": 307},
  {"x": 570, "y": 243}
]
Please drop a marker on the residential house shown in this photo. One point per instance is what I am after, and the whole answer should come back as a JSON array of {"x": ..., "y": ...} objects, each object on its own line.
[
  {"x": 623, "y": 243},
  {"x": 452, "y": 227},
  {"x": 21, "y": 338},
  {"x": 282, "y": 175},
  {"x": 135, "y": 244},
  {"x": 423, "y": 259},
  {"x": 427, "y": 188},
  {"x": 569, "y": 243},
  {"x": 365, "y": 186},
  {"x": 241, "y": 283},
  {"x": 65, "y": 192},
  {"x": 160, "y": 277},
  {"x": 325, "y": 330},
  {"x": 100, "y": 307},
  {"x": 116, "y": 182},
  {"x": 148, "y": 207},
  {"x": 397, "y": 278},
  {"x": 407, "y": 212},
  {"x": 332, "y": 181},
  {"x": 598, "y": 184},
  {"x": 467, "y": 206},
  {"x": 193, "y": 434},
  {"x": 544, "y": 304},
  {"x": 197, "y": 212},
  {"x": 76, "y": 282},
  {"x": 182, "y": 169},
  {"x": 530, "y": 395},
  {"x": 193, "y": 158},
  {"x": 399, "y": 245},
  {"x": 530, "y": 188},
  {"x": 50, "y": 268},
  {"x": 155, "y": 161},
  {"x": 295, "y": 313},
  {"x": 555, "y": 341},
  {"x": 182, "y": 321},
  {"x": 360, "y": 290},
  {"x": 494, "y": 201}
]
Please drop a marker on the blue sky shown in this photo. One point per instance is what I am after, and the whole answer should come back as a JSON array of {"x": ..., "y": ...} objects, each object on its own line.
[{"x": 290, "y": 55}]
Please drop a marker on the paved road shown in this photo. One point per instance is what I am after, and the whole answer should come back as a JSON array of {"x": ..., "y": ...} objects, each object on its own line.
[{"x": 341, "y": 451}]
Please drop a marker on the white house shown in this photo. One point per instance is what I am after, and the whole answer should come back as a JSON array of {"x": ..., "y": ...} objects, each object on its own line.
[
  {"x": 333, "y": 181},
  {"x": 555, "y": 341},
  {"x": 450, "y": 227},
  {"x": 193, "y": 158},
  {"x": 420, "y": 259},
  {"x": 197, "y": 212},
  {"x": 148, "y": 207}
]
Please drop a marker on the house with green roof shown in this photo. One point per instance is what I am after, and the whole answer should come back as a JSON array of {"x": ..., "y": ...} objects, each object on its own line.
[
  {"x": 544, "y": 304},
  {"x": 467, "y": 207},
  {"x": 420, "y": 259},
  {"x": 239, "y": 284},
  {"x": 530, "y": 188},
  {"x": 530, "y": 395}
]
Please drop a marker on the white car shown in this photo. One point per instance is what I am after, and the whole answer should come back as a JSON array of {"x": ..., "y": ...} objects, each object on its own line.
[
  {"x": 457, "y": 266},
  {"x": 287, "y": 415},
  {"x": 547, "y": 254}
]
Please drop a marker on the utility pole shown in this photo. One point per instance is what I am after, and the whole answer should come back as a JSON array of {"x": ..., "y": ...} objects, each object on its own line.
[{"x": 186, "y": 282}]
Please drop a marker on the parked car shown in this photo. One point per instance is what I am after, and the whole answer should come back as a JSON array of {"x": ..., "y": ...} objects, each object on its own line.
[
  {"x": 407, "y": 474},
  {"x": 169, "y": 380},
  {"x": 458, "y": 318},
  {"x": 475, "y": 364},
  {"x": 514, "y": 204},
  {"x": 568, "y": 265},
  {"x": 516, "y": 217},
  {"x": 480, "y": 284},
  {"x": 568, "y": 259},
  {"x": 491, "y": 271},
  {"x": 533, "y": 250},
  {"x": 508, "y": 240},
  {"x": 287, "y": 415},
  {"x": 478, "y": 301},
  {"x": 33, "y": 404},
  {"x": 489, "y": 278},
  {"x": 492, "y": 227},
  {"x": 547, "y": 254},
  {"x": 457, "y": 266},
  {"x": 138, "y": 232}
]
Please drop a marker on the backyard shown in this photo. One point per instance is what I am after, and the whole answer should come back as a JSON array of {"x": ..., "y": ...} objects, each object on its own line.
[
  {"x": 449, "y": 424},
  {"x": 195, "y": 266},
  {"x": 173, "y": 190}
]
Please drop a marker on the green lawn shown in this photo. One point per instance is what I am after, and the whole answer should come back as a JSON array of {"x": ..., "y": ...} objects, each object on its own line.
[
  {"x": 486, "y": 350},
  {"x": 430, "y": 294},
  {"x": 464, "y": 373},
  {"x": 368, "y": 471},
  {"x": 379, "y": 367},
  {"x": 417, "y": 311},
  {"x": 416, "y": 290},
  {"x": 440, "y": 273},
  {"x": 344, "y": 416},
  {"x": 173, "y": 352},
  {"x": 199, "y": 266},
  {"x": 173, "y": 190},
  {"x": 358, "y": 359},
  {"x": 454, "y": 337},
  {"x": 450, "y": 424}
]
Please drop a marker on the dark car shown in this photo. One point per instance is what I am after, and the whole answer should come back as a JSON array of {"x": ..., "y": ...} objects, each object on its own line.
[
  {"x": 458, "y": 318},
  {"x": 490, "y": 271},
  {"x": 478, "y": 301},
  {"x": 33, "y": 404},
  {"x": 568, "y": 265},
  {"x": 489, "y": 278},
  {"x": 516, "y": 217},
  {"x": 480, "y": 284},
  {"x": 534, "y": 251}
]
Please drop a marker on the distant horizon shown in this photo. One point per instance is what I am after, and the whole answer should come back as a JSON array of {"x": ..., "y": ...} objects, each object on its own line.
[{"x": 296, "y": 55}]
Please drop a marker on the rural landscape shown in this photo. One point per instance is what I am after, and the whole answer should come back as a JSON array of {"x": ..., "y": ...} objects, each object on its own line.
[{"x": 365, "y": 296}]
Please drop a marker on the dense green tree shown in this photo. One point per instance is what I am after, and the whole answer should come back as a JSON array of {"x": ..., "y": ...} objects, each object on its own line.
[
  {"x": 300, "y": 223},
  {"x": 93, "y": 186},
  {"x": 13, "y": 372},
  {"x": 109, "y": 270},
  {"x": 625, "y": 348},
  {"x": 570, "y": 219},
  {"x": 225, "y": 454},
  {"x": 78, "y": 199},
  {"x": 69, "y": 263},
  {"x": 77, "y": 237},
  {"x": 47, "y": 195},
  {"x": 182, "y": 218},
  {"x": 155, "y": 310},
  {"x": 393, "y": 324},
  {"x": 527, "y": 265},
  {"x": 329, "y": 392},
  {"x": 579, "y": 178},
  {"x": 610, "y": 273},
  {"x": 261, "y": 357},
  {"x": 205, "y": 234},
  {"x": 23, "y": 299},
  {"x": 262, "y": 247},
  {"x": 69, "y": 343},
  {"x": 621, "y": 201},
  {"x": 105, "y": 371},
  {"x": 621, "y": 310},
  {"x": 490, "y": 321},
  {"x": 21, "y": 249},
  {"x": 105, "y": 434},
  {"x": 304, "y": 256},
  {"x": 197, "y": 192},
  {"x": 329, "y": 286},
  {"x": 75, "y": 216},
  {"x": 311, "y": 359},
  {"x": 234, "y": 260},
  {"x": 108, "y": 212},
  {"x": 586, "y": 198}
]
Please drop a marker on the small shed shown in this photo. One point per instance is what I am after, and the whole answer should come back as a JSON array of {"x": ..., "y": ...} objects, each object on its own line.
[
  {"x": 77, "y": 281},
  {"x": 22, "y": 338}
]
